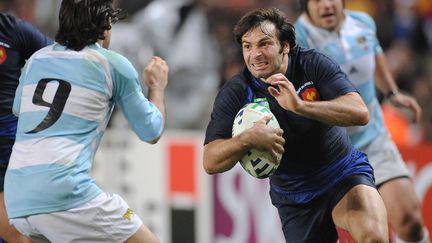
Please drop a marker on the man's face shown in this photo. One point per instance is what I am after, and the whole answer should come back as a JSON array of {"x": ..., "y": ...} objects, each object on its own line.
[
  {"x": 262, "y": 52},
  {"x": 326, "y": 14}
]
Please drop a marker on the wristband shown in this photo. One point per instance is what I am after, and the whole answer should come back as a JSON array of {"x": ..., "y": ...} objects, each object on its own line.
[{"x": 391, "y": 94}]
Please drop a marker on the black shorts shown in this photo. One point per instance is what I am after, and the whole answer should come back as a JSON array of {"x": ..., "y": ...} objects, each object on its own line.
[{"x": 312, "y": 222}]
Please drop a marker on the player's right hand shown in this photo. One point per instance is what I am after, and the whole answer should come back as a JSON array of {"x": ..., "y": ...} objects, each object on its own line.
[
  {"x": 155, "y": 74},
  {"x": 267, "y": 138}
]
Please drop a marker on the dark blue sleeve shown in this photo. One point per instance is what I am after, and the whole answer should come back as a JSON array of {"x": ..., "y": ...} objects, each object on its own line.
[
  {"x": 331, "y": 81},
  {"x": 30, "y": 39},
  {"x": 228, "y": 102}
]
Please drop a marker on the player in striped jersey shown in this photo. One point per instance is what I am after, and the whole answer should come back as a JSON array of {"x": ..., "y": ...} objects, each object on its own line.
[
  {"x": 349, "y": 37},
  {"x": 64, "y": 100}
]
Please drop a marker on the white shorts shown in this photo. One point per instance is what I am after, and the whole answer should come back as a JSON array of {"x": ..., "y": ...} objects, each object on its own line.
[
  {"x": 107, "y": 218},
  {"x": 385, "y": 159}
]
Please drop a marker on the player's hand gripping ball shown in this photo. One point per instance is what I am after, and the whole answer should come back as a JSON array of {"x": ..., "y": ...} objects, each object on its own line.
[{"x": 256, "y": 162}]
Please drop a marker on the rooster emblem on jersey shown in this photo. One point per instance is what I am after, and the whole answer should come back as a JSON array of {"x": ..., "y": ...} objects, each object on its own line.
[{"x": 310, "y": 94}]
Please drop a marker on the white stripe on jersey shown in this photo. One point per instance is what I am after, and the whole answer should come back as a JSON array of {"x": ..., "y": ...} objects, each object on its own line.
[
  {"x": 357, "y": 70},
  {"x": 26, "y": 149},
  {"x": 84, "y": 103}
]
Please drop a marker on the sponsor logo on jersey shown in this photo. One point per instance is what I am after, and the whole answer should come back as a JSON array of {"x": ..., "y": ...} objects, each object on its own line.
[
  {"x": 353, "y": 70},
  {"x": 3, "y": 54},
  {"x": 128, "y": 215}
]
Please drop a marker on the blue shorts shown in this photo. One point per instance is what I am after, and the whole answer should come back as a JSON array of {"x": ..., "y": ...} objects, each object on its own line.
[
  {"x": 312, "y": 222},
  {"x": 6, "y": 145}
]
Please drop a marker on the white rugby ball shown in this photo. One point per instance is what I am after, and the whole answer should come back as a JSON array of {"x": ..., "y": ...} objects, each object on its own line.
[{"x": 256, "y": 162}]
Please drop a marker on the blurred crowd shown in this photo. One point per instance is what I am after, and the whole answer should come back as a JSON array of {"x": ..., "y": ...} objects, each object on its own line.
[{"x": 195, "y": 37}]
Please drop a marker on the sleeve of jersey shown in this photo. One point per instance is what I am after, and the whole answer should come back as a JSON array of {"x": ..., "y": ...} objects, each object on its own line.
[
  {"x": 31, "y": 38},
  {"x": 331, "y": 80},
  {"x": 228, "y": 102},
  {"x": 145, "y": 119}
]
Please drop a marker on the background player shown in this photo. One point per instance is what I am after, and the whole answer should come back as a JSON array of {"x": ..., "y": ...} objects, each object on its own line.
[{"x": 349, "y": 37}]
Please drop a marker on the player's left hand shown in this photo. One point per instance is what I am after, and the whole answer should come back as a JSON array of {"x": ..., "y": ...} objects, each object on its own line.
[
  {"x": 401, "y": 100},
  {"x": 285, "y": 93}
]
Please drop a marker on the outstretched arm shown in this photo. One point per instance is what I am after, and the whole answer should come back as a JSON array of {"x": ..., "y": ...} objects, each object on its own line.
[
  {"x": 155, "y": 76},
  {"x": 345, "y": 110}
]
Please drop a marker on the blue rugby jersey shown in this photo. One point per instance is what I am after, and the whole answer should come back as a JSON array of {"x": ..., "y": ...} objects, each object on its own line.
[
  {"x": 64, "y": 101},
  {"x": 317, "y": 155},
  {"x": 354, "y": 49},
  {"x": 18, "y": 41}
]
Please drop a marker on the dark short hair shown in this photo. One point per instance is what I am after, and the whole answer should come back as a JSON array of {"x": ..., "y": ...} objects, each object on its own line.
[
  {"x": 303, "y": 5},
  {"x": 254, "y": 18},
  {"x": 83, "y": 22}
]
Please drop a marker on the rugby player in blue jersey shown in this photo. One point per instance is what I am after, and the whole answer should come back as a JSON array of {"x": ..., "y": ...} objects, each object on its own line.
[
  {"x": 18, "y": 41},
  {"x": 64, "y": 100},
  {"x": 322, "y": 180},
  {"x": 349, "y": 38}
]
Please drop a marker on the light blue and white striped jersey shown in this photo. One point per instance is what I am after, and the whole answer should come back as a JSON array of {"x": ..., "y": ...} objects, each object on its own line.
[
  {"x": 354, "y": 49},
  {"x": 64, "y": 101}
]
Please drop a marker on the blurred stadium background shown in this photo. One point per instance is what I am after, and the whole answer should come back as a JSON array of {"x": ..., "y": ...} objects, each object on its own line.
[{"x": 165, "y": 183}]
